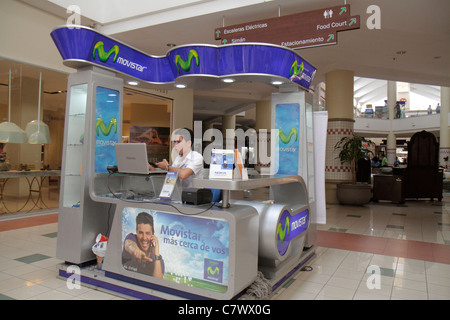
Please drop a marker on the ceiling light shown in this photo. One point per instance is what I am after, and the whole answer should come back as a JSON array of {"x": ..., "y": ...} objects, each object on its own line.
[
  {"x": 133, "y": 83},
  {"x": 277, "y": 82},
  {"x": 180, "y": 85},
  {"x": 36, "y": 130},
  {"x": 11, "y": 132},
  {"x": 228, "y": 80}
]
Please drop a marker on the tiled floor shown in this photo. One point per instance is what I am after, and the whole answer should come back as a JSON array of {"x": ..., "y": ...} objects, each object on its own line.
[{"x": 379, "y": 251}]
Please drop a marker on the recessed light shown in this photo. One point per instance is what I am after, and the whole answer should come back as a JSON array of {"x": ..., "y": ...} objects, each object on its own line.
[
  {"x": 180, "y": 85},
  {"x": 228, "y": 80},
  {"x": 277, "y": 82},
  {"x": 133, "y": 83}
]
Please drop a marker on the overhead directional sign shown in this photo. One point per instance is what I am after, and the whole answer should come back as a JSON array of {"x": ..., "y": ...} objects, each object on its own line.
[{"x": 301, "y": 30}]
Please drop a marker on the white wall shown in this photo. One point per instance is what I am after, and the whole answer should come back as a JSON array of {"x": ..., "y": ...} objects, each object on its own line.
[{"x": 25, "y": 35}]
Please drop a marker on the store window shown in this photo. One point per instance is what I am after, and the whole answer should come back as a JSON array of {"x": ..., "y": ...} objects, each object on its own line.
[{"x": 146, "y": 118}]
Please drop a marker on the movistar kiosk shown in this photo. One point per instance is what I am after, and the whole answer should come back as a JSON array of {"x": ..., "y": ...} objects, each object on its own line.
[{"x": 199, "y": 251}]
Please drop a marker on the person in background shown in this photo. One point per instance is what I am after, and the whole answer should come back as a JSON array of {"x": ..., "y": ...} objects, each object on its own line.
[
  {"x": 398, "y": 111},
  {"x": 384, "y": 160}
]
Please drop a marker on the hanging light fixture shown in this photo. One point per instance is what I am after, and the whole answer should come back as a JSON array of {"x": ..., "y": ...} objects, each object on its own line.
[
  {"x": 11, "y": 132},
  {"x": 36, "y": 130}
]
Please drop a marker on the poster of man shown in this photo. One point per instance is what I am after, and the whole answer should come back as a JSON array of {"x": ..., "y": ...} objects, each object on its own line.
[{"x": 141, "y": 249}]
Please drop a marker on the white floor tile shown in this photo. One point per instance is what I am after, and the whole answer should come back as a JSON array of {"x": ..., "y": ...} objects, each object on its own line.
[
  {"x": 410, "y": 284},
  {"x": 330, "y": 292},
  {"x": 337, "y": 274},
  {"x": 26, "y": 292},
  {"x": 408, "y": 294},
  {"x": 52, "y": 295},
  {"x": 438, "y": 290}
]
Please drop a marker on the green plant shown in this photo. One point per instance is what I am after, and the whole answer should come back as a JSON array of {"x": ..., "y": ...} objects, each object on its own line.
[{"x": 352, "y": 149}]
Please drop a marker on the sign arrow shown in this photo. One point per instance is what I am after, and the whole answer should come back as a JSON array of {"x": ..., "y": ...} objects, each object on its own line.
[{"x": 299, "y": 30}]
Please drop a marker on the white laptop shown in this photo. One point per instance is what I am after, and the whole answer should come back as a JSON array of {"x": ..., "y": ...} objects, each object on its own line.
[{"x": 132, "y": 158}]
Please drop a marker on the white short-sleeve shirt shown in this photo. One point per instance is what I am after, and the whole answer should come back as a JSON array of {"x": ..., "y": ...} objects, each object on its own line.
[{"x": 193, "y": 161}]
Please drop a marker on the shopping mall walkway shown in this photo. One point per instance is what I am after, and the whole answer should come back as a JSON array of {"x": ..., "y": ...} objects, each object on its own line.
[{"x": 378, "y": 251}]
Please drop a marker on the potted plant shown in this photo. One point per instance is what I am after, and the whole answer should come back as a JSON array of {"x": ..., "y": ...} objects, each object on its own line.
[{"x": 352, "y": 149}]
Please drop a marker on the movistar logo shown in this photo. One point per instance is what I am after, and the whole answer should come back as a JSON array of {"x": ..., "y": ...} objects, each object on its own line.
[
  {"x": 106, "y": 130},
  {"x": 286, "y": 138},
  {"x": 212, "y": 271},
  {"x": 283, "y": 233},
  {"x": 186, "y": 65},
  {"x": 296, "y": 71},
  {"x": 102, "y": 54}
]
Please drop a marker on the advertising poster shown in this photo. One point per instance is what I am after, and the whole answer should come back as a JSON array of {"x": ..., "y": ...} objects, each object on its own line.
[
  {"x": 287, "y": 118},
  {"x": 169, "y": 184},
  {"x": 157, "y": 140},
  {"x": 188, "y": 250},
  {"x": 221, "y": 166},
  {"x": 106, "y": 127}
]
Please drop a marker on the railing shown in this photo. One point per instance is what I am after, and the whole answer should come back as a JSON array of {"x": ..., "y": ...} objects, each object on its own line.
[{"x": 384, "y": 114}]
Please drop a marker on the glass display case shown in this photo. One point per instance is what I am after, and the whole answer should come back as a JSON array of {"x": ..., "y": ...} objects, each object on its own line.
[
  {"x": 76, "y": 120},
  {"x": 81, "y": 218},
  {"x": 118, "y": 187}
]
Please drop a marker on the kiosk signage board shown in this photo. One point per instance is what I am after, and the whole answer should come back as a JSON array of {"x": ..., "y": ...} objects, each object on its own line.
[
  {"x": 107, "y": 111},
  {"x": 289, "y": 227},
  {"x": 194, "y": 250},
  {"x": 81, "y": 46},
  {"x": 287, "y": 124}
]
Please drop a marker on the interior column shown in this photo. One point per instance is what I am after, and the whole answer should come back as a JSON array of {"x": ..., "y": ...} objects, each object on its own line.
[
  {"x": 263, "y": 123},
  {"x": 339, "y": 104},
  {"x": 391, "y": 144},
  {"x": 444, "y": 139},
  {"x": 228, "y": 128}
]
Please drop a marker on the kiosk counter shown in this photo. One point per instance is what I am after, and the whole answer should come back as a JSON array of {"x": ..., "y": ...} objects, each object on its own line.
[{"x": 212, "y": 250}]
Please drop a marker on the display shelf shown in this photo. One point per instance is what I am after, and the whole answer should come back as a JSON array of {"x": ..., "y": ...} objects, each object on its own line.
[
  {"x": 117, "y": 187},
  {"x": 76, "y": 122},
  {"x": 276, "y": 182},
  {"x": 239, "y": 184}
]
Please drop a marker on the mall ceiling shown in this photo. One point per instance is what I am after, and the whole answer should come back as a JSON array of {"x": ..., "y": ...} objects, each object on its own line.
[{"x": 412, "y": 44}]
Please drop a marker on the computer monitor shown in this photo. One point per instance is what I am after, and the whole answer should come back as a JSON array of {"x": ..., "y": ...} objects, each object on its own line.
[{"x": 132, "y": 158}]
